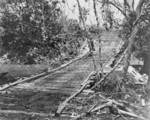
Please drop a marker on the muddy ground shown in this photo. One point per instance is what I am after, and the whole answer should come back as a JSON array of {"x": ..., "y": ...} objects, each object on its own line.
[{"x": 25, "y": 100}]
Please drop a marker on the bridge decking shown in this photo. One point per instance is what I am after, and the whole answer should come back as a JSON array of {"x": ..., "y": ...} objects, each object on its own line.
[{"x": 69, "y": 79}]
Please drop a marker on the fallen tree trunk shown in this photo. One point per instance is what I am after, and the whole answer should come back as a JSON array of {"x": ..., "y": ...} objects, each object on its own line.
[
  {"x": 23, "y": 112},
  {"x": 130, "y": 114},
  {"x": 102, "y": 79},
  {"x": 42, "y": 74},
  {"x": 126, "y": 53},
  {"x": 129, "y": 49},
  {"x": 90, "y": 111},
  {"x": 109, "y": 103},
  {"x": 63, "y": 105}
]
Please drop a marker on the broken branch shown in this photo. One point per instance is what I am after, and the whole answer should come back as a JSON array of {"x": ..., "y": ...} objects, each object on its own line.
[
  {"x": 102, "y": 79},
  {"x": 130, "y": 114},
  {"x": 63, "y": 105},
  {"x": 23, "y": 112}
]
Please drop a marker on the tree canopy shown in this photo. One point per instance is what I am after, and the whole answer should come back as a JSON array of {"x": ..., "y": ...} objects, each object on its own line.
[{"x": 35, "y": 26}]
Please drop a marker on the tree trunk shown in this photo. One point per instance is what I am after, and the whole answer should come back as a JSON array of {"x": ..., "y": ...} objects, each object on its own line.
[
  {"x": 146, "y": 69},
  {"x": 146, "y": 55},
  {"x": 139, "y": 6},
  {"x": 1, "y": 47},
  {"x": 146, "y": 66}
]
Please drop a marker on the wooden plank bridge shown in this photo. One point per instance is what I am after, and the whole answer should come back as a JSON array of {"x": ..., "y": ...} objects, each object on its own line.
[
  {"x": 69, "y": 79},
  {"x": 44, "y": 95}
]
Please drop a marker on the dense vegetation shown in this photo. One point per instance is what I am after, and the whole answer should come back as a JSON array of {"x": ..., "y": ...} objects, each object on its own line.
[
  {"x": 36, "y": 30},
  {"x": 33, "y": 31}
]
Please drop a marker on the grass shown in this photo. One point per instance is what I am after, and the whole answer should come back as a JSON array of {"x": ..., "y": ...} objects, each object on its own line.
[{"x": 16, "y": 70}]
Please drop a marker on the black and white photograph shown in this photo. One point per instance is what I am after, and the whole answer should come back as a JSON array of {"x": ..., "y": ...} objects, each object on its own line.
[{"x": 74, "y": 59}]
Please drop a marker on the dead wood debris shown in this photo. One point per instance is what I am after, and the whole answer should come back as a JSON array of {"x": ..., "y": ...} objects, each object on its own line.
[
  {"x": 114, "y": 107},
  {"x": 122, "y": 108},
  {"x": 24, "y": 112},
  {"x": 63, "y": 105}
]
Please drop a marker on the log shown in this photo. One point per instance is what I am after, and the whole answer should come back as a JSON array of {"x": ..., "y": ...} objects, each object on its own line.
[
  {"x": 101, "y": 107},
  {"x": 86, "y": 80},
  {"x": 109, "y": 103},
  {"x": 63, "y": 105},
  {"x": 42, "y": 74},
  {"x": 6, "y": 86},
  {"x": 127, "y": 51},
  {"x": 102, "y": 79},
  {"x": 67, "y": 64},
  {"x": 83, "y": 114},
  {"x": 130, "y": 114},
  {"x": 90, "y": 111},
  {"x": 23, "y": 112}
]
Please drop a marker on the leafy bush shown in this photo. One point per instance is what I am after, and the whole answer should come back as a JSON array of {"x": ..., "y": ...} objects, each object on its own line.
[{"x": 34, "y": 28}]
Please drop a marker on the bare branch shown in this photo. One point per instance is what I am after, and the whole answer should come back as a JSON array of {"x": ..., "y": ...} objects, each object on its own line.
[
  {"x": 130, "y": 114},
  {"x": 24, "y": 112},
  {"x": 133, "y": 3},
  {"x": 99, "y": 36},
  {"x": 89, "y": 39},
  {"x": 116, "y": 6},
  {"x": 139, "y": 6},
  {"x": 80, "y": 12},
  {"x": 102, "y": 79}
]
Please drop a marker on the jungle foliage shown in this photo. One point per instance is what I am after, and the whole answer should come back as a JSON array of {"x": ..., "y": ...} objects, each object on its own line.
[{"x": 37, "y": 29}]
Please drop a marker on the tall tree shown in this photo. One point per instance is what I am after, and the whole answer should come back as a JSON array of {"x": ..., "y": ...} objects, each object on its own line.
[
  {"x": 137, "y": 28},
  {"x": 30, "y": 24}
]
